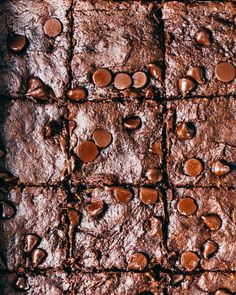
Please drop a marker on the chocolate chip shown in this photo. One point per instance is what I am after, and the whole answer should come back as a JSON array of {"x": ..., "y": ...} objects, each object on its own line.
[
  {"x": 95, "y": 208},
  {"x": 193, "y": 167},
  {"x": 132, "y": 123},
  {"x": 156, "y": 227},
  {"x": 222, "y": 292},
  {"x": 21, "y": 283},
  {"x": 220, "y": 168},
  {"x": 122, "y": 81},
  {"x": 78, "y": 93},
  {"x": 209, "y": 249},
  {"x": 204, "y": 38},
  {"x": 102, "y": 138},
  {"x": 156, "y": 72},
  {"x": 139, "y": 79},
  {"x": 149, "y": 92},
  {"x": 186, "y": 85},
  {"x": 87, "y": 151},
  {"x": 185, "y": 130},
  {"x": 138, "y": 261},
  {"x": 17, "y": 43},
  {"x": 38, "y": 256},
  {"x": 156, "y": 148},
  {"x": 189, "y": 260},
  {"x": 36, "y": 88},
  {"x": 187, "y": 206},
  {"x": 197, "y": 74},
  {"x": 31, "y": 242},
  {"x": 212, "y": 221},
  {"x": 122, "y": 195},
  {"x": 52, "y": 28},
  {"x": 176, "y": 279},
  {"x": 102, "y": 77},
  {"x": 149, "y": 196},
  {"x": 153, "y": 175},
  {"x": 225, "y": 72},
  {"x": 7, "y": 210}
]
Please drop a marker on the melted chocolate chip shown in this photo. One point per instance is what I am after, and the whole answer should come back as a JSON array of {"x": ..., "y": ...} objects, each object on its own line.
[
  {"x": 102, "y": 77},
  {"x": 95, "y": 208},
  {"x": 138, "y": 261},
  {"x": 122, "y": 195},
  {"x": 31, "y": 242},
  {"x": 209, "y": 249},
  {"x": 149, "y": 196},
  {"x": 185, "y": 130},
  {"x": 78, "y": 93},
  {"x": 17, "y": 43},
  {"x": 189, "y": 260},
  {"x": 186, "y": 85},
  {"x": 220, "y": 168},
  {"x": 176, "y": 279},
  {"x": 52, "y": 28},
  {"x": 87, "y": 151},
  {"x": 102, "y": 138},
  {"x": 197, "y": 74},
  {"x": 122, "y": 81},
  {"x": 36, "y": 88},
  {"x": 156, "y": 72},
  {"x": 132, "y": 123},
  {"x": 7, "y": 210},
  {"x": 225, "y": 72},
  {"x": 156, "y": 148},
  {"x": 187, "y": 206},
  {"x": 153, "y": 175},
  {"x": 193, "y": 167},
  {"x": 204, "y": 38},
  {"x": 21, "y": 283},
  {"x": 212, "y": 221},
  {"x": 139, "y": 79},
  {"x": 38, "y": 256}
]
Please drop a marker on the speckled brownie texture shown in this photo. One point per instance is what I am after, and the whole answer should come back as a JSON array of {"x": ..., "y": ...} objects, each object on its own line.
[
  {"x": 214, "y": 124},
  {"x": 182, "y": 22},
  {"x": 34, "y": 136}
]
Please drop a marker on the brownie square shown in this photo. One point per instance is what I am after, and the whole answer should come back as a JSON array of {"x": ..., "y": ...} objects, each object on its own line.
[
  {"x": 201, "y": 142},
  {"x": 202, "y": 228},
  {"x": 199, "y": 34},
  {"x": 122, "y": 37},
  {"x": 134, "y": 151},
  {"x": 33, "y": 232},
  {"x": 34, "y": 140}
]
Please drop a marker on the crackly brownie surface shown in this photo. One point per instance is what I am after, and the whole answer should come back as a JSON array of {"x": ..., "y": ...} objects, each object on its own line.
[
  {"x": 130, "y": 149},
  {"x": 199, "y": 34},
  {"x": 120, "y": 37},
  {"x": 32, "y": 229},
  {"x": 33, "y": 136},
  {"x": 201, "y": 142}
]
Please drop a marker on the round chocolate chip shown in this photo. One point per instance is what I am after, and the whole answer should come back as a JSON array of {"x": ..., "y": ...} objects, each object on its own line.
[
  {"x": 31, "y": 242},
  {"x": 139, "y": 79},
  {"x": 186, "y": 85},
  {"x": 225, "y": 72},
  {"x": 212, "y": 221},
  {"x": 38, "y": 256},
  {"x": 132, "y": 123},
  {"x": 153, "y": 175},
  {"x": 16, "y": 43},
  {"x": 102, "y": 138},
  {"x": 87, "y": 151},
  {"x": 156, "y": 72},
  {"x": 95, "y": 208},
  {"x": 122, "y": 195},
  {"x": 102, "y": 77},
  {"x": 204, "y": 38},
  {"x": 197, "y": 74},
  {"x": 193, "y": 167},
  {"x": 187, "y": 206},
  {"x": 220, "y": 168},
  {"x": 21, "y": 283},
  {"x": 222, "y": 292},
  {"x": 78, "y": 93},
  {"x": 122, "y": 81},
  {"x": 149, "y": 196},
  {"x": 138, "y": 261},
  {"x": 52, "y": 28},
  {"x": 185, "y": 130},
  {"x": 189, "y": 260},
  {"x": 7, "y": 210},
  {"x": 209, "y": 249}
]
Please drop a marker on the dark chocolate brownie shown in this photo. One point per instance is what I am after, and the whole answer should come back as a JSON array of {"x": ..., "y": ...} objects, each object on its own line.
[
  {"x": 120, "y": 228},
  {"x": 116, "y": 143},
  {"x": 121, "y": 37},
  {"x": 34, "y": 140},
  {"x": 200, "y": 48},
  {"x": 201, "y": 142}
]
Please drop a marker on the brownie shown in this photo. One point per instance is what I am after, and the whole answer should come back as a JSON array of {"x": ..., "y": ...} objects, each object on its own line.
[
  {"x": 33, "y": 228},
  {"x": 202, "y": 228},
  {"x": 201, "y": 142},
  {"x": 116, "y": 143},
  {"x": 121, "y": 37},
  {"x": 34, "y": 141},
  {"x": 118, "y": 229},
  {"x": 199, "y": 48}
]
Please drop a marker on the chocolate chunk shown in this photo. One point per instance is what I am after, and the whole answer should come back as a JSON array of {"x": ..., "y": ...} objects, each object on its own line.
[
  {"x": 189, "y": 260},
  {"x": 102, "y": 138},
  {"x": 138, "y": 261},
  {"x": 139, "y": 79},
  {"x": 153, "y": 175},
  {"x": 38, "y": 256},
  {"x": 156, "y": 72},
  {"x": 220, "y": 168},
  {"x": 197, "y": 74},
  {"x": 52, "y": 28},
  {"x": 185, "y": 130},
  {"x": 102, "y": 77},
  {"x": 36, "y": 88},
  {"x": 7, "y": 210},
  {"x": 122, "y": 195},
  {"x": 225, "y": 72},
  {"x": 204, "y": 38},
  {"x": 21, "y": 283},
  {"x": 87, "y": 151},
  {"x": 176, "y": 279},
  {"x": 31, "y": 242},
  {"x": 149, "y": 196},
  {"x": 132, "y": 123},
  {"x": 122, "y": 81},
  {"x": 187, "y": 206},
  {"x": 209, "y": 249},
  {"x": 16, "y": 43},
  {"x": 193, "y": 167},
  {"x": 212, "y": 221},
  {"x": 95, "y": 208},
  {"x": 77, "y": 93},
  {"x": 186, "y": 85},
  {"x": 222, "y": 292}
]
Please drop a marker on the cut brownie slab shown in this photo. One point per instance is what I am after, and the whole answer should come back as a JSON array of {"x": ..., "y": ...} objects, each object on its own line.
[
  {"x": 201, "y": 142},
  {"x": 200, "y": 48},
  {"x": 116, "y": 143},
  {"x": 34, "y": 140},
  {"x": 32, "y": 228},
  {"x": 202, "y": 229},
  {"x": 113, "y": 38}
]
